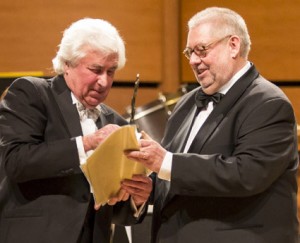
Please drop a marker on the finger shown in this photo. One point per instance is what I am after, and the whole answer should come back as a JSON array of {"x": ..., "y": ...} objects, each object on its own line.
[
  {"x": 141, "y": 178},
  {"x": 137, "y": 155},
  {"x": 146, "y": 143},
  {"x": 112, "y": 201},
  {"x": 139, "y": 200},
  {"x": 144, "y": 155},
  {"x": 137, "y": 191},
  {"x": 108, "y": 129},
  {"x": 126, "y": 196},
  {"x": 121, "y": 194},
  {"x": 111, "y": 126},
  {"x": 132, "y": 153},
  {"x": 134, "y": 187},
  {"x": 97, "y": 206},
  {"x": 146, "y": 135},
  {"x": 137, "y": 179}
]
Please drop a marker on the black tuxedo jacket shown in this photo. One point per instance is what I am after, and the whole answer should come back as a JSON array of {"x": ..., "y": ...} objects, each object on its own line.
[
  {"x": 44, "y": 196},
  {"x": 237, "y": 183}
]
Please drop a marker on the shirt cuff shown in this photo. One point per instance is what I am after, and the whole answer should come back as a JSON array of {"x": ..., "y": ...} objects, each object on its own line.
[
  {"x": 80, "y": 149},
  {"x": 137, "y": 211},
  {"x": 165, "y": 169}
]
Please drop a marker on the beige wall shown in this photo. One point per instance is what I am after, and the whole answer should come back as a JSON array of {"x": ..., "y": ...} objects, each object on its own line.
[
  {"x": 274, "y": 31},
  {"x": 155, "y": 34},
  {"x": 31, "y": 31}
]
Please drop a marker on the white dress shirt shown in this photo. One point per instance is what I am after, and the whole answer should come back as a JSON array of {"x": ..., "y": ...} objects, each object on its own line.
[{"x": 88, "y": 126}]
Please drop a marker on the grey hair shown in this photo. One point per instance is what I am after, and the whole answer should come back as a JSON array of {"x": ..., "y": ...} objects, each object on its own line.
[
  {"x": 96, "y": 35},
  {"x": 228, "y": 23}
]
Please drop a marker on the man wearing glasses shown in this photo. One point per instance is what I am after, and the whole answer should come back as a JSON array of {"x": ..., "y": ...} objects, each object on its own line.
[{"x": 226, "y": 170}]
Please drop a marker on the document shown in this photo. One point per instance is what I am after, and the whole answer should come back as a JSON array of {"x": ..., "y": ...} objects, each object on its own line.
[{"x": 108, "y": 166}]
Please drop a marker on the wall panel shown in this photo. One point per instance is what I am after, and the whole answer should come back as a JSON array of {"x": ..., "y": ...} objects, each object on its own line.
[
  {"x": 293, "y": 93},
  {"x": 273, "y": 28},
  {"x": 31, "y": 31}
]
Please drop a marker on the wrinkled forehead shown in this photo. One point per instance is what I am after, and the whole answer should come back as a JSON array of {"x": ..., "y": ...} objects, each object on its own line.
[
  {"x": 199, "y": 34},
  {"x": 96, "y": 57},
  {"x": 204, "y": 32}
]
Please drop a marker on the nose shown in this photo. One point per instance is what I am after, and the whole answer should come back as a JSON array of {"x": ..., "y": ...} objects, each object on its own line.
[
  {"x": 195, "y": 59},
  {"x": 103, "y": 79}
]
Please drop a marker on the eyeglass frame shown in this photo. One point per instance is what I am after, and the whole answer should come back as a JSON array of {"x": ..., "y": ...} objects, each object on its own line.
[{"x": 201, "y": 50}]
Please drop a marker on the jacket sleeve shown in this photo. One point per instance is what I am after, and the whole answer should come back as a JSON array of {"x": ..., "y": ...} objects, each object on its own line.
[
  {"x": 27, "y": 152},
  {"x": 244, "y": 156}
]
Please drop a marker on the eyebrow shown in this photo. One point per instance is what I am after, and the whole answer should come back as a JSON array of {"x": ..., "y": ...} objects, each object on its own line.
[
  {"x": 97, "y": 66},
  {"x": 199, "y": 45}
]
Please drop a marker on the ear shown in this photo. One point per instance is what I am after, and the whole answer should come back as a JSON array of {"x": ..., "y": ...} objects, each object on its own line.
[
  {"x": 66, "y": 67},
  {"x": 235, "y": 46}
]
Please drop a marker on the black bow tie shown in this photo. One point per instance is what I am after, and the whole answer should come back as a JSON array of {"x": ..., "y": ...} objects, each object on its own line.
[{"x": 203, "y": 99}]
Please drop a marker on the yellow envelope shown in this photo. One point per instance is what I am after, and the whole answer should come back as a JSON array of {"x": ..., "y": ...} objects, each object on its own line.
[{"x": 108, "y": 166}]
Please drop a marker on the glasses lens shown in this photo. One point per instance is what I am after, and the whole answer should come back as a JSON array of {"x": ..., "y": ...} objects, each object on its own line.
[
  {"x": 200, "y": 51},
  {"x": 187, "y": 52}
]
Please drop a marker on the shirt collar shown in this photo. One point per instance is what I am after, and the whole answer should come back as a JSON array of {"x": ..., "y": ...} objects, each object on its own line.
[
  {"x": 235, "y": 78},
  {"x": 75, "y": 101}
]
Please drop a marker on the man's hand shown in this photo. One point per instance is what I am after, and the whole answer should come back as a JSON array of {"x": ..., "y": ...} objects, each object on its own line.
[
  {"x": 122, "y": 195},
  {"x": 91, "y": 141},
  {"x": 139, "y": 187},
  {"x": 151, "y": 154}
]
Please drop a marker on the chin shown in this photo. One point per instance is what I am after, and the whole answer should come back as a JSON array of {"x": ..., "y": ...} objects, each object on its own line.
[{"x": 92, "y": 102}]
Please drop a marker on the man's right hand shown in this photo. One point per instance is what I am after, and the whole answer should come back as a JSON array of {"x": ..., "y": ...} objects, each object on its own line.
[{"x": 91, "y": 141}]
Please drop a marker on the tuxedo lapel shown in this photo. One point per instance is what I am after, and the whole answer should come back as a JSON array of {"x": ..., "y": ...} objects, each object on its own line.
[
  {"x": 106, "y": 117},
  {"x": 182, "y": 133},
  {"x": 221, "y": 110},
  {"x": 207, "y": 129},
  {"x": 181, "y": 129},
  {"x": 68, "y": 110},
  {"x": 178, "y": 127}
]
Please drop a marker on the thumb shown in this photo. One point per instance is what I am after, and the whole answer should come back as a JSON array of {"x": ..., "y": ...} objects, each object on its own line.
[{"x": 146, "y": 135}]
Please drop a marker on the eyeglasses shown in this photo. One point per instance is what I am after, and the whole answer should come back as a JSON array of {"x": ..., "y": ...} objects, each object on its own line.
[{"x": 201, "y": 50}]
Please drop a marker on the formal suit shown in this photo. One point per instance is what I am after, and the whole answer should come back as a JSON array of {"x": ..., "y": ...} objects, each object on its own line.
[
  {"x": 44, "y": 196},
  {"x": 237, "y": 183}
]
